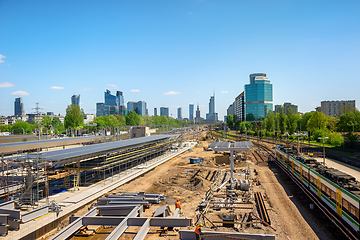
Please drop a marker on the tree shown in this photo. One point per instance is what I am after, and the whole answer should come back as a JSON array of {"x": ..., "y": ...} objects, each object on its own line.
[
  {"x": 121, "y": 119},
  {"x": 18, "y": 127},
  {"x": 230, "y": 120},
  {"x": 46, "y": 122},
  {"x": 349, "y": 122},
  {"x": 5, "y": 128},
  {"x": 250, "y": 117},
  {"x": 305, "y": 119},
  {"x": 292, "y": 120},
  {"x": 132, "y": 118},
  {"x": 74, "y": 116},
  {"x": 282, "y": 120},
  {"x": 270, "y": 121},
  {"x": 113, "y": 121},
  {"x": 331, "y": 123},
  {"x": 163, "y": 120},
  {"x": 317, "y": 121},
  {"x": 57, "y": 125}
]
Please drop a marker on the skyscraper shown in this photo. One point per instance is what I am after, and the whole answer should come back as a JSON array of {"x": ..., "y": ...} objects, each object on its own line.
[
  {"x": 120, "y": 103},
  {"x": 99, "y": 109},
  {"x": 75, "y": 100},
  {"x": 141, "y": 108},
  {"x": 155, "y": 111},
  {"x": 19, "y": 107},
  {"x": 212, "y": 115},
  {"x": 138, "y": 107},
  {"x": 179, "y": 115},
  {"x": 132, "y": 106},
  {"x": 239, "y": 107},
  {"x": 164, "y": 111},
  {"x": 198, "y": 112},
  {"x": 110, "y": 105},
  {"x": 258, "y": 96},
  {"x": 191, "y": 111}
]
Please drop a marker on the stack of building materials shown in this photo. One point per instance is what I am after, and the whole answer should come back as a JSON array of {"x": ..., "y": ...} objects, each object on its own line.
[
  {"x": 122, "y": 216},
  {"x": 10, "y": 217}
]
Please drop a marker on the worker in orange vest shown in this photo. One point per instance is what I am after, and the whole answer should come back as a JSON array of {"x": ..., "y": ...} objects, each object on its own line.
[
  {"x": 178, "y": 205},
  {"x": 198, "y": 231}
]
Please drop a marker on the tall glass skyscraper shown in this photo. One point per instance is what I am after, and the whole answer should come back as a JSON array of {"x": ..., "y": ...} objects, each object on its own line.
[
  {"x": 164, "y": 111},
  {"x": 141, "y": 108},
  {"x": 75, "y": 100},
  {"x": 212, "y": 115},
  {"x": 19, "y": 107},
  {"x": 191, "y": 111},
  {"x": 258, "y": 96},
  {"x": 138, "y": 107},
  {"x": 179, "y": 115},
  {"x": 155, "y": 111}
]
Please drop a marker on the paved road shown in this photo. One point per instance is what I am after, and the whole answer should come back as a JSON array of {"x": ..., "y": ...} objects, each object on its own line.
[{"x": 346, "y": 168}]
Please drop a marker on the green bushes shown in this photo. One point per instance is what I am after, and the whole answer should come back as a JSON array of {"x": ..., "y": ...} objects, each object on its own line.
[{"x": 335, "y": 139}]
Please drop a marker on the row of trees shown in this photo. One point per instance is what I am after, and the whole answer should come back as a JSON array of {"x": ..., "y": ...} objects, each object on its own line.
[
  {"x": 74, "y": 119},
  {"x": 316, "y": 123},
  {"x": 46, "y": 124}
]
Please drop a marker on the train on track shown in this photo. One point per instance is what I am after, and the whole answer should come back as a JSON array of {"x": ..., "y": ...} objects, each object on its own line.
[{"x": 340, "y": 192}]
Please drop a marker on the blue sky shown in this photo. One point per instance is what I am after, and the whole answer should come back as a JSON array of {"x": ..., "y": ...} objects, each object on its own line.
[{"x": 172, "y": 53}]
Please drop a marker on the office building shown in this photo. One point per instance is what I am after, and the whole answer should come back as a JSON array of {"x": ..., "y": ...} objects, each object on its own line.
[
  {"x": 75, "y": 100},
  {"x": 286, "y": 108},
  {"x": 141, "y": 108},
  {"x": 212, "y": 115},
  {"x": 100, "y": 109},
  {"x": 230, "y": 109},
  {"x": 290, "y": 107},
  {"x": 164, "y": 111},
  {"x": 179, "y": 115},
  {"x": 132, "y": 106},
  {"x": 337, "y": 108},
  {"x": 155, "y": 111},
  {"x": 138, "y": 107},
  {"x": 120, "y": 103},
  {"x": 258, "y": 96},
  {"x": 239, "y": 107},
  {"x": 113, "y": 105},
  {"x": 19, "y": 107},
  {"x": 191, "y": 111}
]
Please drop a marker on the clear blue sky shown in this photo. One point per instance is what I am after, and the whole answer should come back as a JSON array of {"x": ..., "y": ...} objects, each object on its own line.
[{"x": 310, "y": 51}]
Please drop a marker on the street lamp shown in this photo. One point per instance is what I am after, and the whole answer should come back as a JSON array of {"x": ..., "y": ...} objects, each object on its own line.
[{"x": 323, "y": 138}]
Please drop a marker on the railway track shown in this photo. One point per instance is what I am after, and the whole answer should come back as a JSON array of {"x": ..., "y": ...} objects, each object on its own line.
[{"x": 324, "y": 214}]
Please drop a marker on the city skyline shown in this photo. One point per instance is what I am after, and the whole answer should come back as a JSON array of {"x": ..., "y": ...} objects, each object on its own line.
[{"x": 309, "y": 52}]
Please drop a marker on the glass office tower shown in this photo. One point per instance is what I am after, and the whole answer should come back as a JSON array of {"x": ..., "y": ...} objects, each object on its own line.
[
  {"x": 191, "y": 111},
  {"x": 258, "y": 96}
]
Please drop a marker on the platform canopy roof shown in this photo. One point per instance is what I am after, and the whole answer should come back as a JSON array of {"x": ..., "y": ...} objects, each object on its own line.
[
  {"x": 6, "y": 148},
  {"x": 84, "y": 153},
  {"x": 235, "y": 146}
]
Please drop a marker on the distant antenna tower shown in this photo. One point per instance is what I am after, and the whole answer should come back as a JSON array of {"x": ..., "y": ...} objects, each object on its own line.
[{"x": 37, "y": 108}]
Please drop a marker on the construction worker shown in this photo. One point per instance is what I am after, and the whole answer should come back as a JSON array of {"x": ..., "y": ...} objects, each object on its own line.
[
  {"x": 178, "y": 205},
  {"x": 198, "y": 231}
]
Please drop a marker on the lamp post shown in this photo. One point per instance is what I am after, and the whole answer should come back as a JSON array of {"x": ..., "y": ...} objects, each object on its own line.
[{"x": 323, "y": 138}]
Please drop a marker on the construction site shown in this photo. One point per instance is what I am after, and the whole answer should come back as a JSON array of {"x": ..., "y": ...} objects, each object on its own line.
[{"x": 127, "y": 189}]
